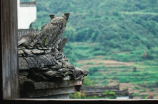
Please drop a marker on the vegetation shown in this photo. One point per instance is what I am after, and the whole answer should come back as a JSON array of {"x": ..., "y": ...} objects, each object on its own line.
[
  {"x": 144, "y": 98},
  {"x": 87, "y": 82},
  {"x": 120, "y": 30},
  {"x": 117, "y": 25},
  {"x": 110, "y": 93},
  {"x": 82, "y": 95}
]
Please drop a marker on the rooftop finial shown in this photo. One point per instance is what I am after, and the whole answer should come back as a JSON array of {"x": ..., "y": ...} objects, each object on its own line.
[
  {"x": 67, "y": 15},
  {"x": 51, "y": 16}
]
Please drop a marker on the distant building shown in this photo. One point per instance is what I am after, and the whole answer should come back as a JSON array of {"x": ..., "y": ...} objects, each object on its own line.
[
  {"x": 100, "y": 90},
  {"x": 27, "y": 14}
]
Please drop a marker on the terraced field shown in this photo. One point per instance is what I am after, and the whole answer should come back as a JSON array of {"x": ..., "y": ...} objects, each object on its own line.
[
  {"x": 142, "y": 82},
  {"x": 122, "y": 72}
]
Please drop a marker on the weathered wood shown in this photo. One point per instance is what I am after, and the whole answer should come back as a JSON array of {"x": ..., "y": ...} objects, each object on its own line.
[
  {"x": 14, "y": 48},
  {"x": 48, "y": 85},
  {"x": 63, "y": 96},
  {"x": 9, "y": 49},
  {"x": 49, "y": 92}
]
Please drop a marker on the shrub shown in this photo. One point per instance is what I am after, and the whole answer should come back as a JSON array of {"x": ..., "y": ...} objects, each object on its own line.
[
  {"x": 77, "y": 95},
  {"x": 83, "y": 94},
  {"x": 144, "y": 97},
  {"x": 110, "y": 94},
  {"x": 93, "y": 70},
  {"x": 87, "y": 82}
]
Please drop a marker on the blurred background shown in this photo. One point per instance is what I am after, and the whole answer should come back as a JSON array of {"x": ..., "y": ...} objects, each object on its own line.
[{"x": 115, "y": 40}]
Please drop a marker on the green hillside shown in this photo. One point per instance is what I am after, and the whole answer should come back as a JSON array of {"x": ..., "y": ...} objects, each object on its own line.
[
  {"x": 109, "y": 38},
  {"x": 118, "y": 25}
]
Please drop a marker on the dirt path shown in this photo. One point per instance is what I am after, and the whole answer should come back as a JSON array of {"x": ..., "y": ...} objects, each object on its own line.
[
  {"x": 86, "y": 64},
  {"x": 106, "y": 62}
]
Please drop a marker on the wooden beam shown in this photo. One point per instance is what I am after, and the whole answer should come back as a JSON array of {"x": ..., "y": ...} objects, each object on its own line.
[
  {"x": 44, "y": 93},
  {"x": 9, "y": 55},
  {"x": 48, "y": 85}
]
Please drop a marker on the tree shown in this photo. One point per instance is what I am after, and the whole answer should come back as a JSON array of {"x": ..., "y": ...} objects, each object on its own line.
[{"x": 134, "y": 69}]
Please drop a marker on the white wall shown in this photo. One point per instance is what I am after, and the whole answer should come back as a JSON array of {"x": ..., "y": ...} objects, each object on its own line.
[{"x": 26, "y": 15}]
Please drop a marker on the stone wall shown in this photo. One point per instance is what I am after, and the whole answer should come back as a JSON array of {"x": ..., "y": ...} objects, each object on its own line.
[
  {"x": 99, "y": 91},
  {"x": 100, "y": 88}
]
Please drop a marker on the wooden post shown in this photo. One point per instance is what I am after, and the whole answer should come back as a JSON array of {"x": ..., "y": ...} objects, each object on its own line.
[{"x": 9, "y": 55}]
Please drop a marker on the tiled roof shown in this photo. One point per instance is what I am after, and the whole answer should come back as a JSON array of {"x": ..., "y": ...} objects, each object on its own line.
[{"x": 26, "y": 4}]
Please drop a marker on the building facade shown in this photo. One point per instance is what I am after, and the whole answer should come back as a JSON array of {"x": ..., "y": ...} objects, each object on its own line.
[{"x": 27, "y": 14}]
